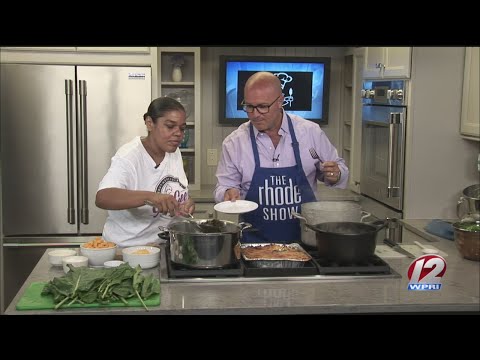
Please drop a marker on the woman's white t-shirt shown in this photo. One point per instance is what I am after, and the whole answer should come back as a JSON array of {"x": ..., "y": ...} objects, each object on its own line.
[{"x": 132, "y": 168}]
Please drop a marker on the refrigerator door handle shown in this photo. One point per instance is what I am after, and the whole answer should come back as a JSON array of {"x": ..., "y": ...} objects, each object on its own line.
[
  {"x": 33, "y": 244},
  {"x": 70, "y": 182},
  {"x": 393, "y": 189},
  {"x": 83, "y": 168}
]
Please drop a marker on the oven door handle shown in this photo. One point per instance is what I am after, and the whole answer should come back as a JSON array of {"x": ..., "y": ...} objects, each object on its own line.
[{"x": 395, "y": 121}]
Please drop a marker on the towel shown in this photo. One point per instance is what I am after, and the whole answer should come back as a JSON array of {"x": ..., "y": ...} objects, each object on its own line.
[{"x": 440, "y": 228}]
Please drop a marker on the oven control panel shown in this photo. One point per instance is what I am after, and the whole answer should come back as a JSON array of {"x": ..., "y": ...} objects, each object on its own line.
[{"x": 384, "y": 92}]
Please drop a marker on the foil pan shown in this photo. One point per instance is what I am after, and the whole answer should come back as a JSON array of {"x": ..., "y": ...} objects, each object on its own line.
[{"x": 273, "y": 262}]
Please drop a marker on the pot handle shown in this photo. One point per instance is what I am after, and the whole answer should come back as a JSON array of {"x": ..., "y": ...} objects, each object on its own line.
[
  {"x": 244, "y": 225},
  {"x": 364, "y": 215},
  {"x": 459, "y": 203},
  {"x": 379, "y": 224},
  {"x": 298, "y": 216}
]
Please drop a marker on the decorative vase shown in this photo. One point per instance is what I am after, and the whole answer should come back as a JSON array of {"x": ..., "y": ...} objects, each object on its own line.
[
  {"x": 177, "y": 73},
  {"x": 186, "y": 136}
]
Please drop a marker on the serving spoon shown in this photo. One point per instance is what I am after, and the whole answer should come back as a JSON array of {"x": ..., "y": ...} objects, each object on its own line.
[{"x": 425, "y": 249}]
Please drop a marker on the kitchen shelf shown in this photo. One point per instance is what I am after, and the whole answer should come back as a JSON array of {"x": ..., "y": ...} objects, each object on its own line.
[{"x": 188, "y": 88}]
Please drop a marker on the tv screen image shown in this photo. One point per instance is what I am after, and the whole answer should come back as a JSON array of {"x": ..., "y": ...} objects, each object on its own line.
[{"x": 305, "y": 84}]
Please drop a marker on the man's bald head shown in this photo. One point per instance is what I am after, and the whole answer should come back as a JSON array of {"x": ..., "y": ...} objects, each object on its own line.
[{"x": 264, "y": 79}]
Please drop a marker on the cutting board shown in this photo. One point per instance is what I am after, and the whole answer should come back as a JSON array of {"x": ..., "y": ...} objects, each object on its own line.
[
  {"x": 33, "y": 300},
  {"x": 386, "y": 252}
]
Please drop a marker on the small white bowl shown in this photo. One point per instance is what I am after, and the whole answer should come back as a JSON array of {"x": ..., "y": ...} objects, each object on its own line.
[
  {"x": 133, "y": 255},
  {"x": 55, "y": 256},
  {"x": 98, "y": 256},
  {"x": 76, "y": 261},
  {"x": 113, "y": 263}
]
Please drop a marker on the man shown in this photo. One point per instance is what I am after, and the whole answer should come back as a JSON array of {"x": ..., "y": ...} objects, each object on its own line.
[{"x": 262, "y": 162}]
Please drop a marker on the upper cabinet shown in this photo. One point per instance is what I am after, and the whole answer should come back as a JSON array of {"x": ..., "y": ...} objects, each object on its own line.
[
  {"x": 470, "y": 120},
  {"x": 179, "y": 78},
  {"x": 135, "y": 56},
  {"x": 387, "y": 62}
]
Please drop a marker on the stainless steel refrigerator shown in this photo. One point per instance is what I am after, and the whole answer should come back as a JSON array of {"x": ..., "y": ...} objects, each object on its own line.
[{"x": 60, "y": 127}]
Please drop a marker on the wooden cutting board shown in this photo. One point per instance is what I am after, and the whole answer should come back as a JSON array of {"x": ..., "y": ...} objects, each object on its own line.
[{"x": 33, "y": 300}]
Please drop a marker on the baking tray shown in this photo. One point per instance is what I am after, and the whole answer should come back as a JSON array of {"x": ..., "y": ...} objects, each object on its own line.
[
  {"x": 280, "y": 262},
  {"x": 308, "y": 268}
]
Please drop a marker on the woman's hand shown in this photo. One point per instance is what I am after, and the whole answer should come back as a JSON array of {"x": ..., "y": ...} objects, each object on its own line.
[
  {"x": 187, "y": 207},
  {"x": 165, "y": 203}
]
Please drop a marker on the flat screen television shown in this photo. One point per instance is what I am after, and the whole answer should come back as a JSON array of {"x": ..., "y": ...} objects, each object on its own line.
[{"x": 305, "y": 83}]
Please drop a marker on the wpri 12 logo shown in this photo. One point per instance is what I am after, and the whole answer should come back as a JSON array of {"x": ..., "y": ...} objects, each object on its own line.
[{"x": 426, "y": 272}]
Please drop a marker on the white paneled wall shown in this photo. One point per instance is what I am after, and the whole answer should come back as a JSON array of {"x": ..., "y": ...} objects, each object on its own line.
[{"x": 213, "y": 133}]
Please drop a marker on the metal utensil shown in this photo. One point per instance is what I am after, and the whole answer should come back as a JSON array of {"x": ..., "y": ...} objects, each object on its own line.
[
  {"x": 314, "y": 155},
  {"x": 185, "y": 217},
  {"x": 399, "y": 249}
]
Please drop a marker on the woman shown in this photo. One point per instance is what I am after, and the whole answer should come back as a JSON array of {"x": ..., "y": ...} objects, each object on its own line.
[{"x": 146, "y": 183}]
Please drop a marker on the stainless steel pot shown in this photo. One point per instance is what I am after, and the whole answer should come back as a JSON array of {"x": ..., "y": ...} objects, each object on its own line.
[
  {"x": 347, "y": 242},
  {"x": 190, "y": 248},
  {"x": 469, "y": 201},
  {"x": 327, "y": 211}
]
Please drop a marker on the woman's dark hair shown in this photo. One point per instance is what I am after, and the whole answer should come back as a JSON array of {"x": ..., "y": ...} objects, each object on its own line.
[{"x": 160, "y": 106}]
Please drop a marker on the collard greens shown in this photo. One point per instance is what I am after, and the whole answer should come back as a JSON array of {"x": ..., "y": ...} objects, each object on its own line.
[{"x": 85, "y": 286}]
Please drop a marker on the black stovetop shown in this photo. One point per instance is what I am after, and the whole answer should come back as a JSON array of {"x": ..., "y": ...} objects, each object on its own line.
[{"x": 317, "y": 266}]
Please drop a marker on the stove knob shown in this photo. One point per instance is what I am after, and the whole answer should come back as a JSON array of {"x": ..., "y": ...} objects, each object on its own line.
[{"x": 399, "y": 94}]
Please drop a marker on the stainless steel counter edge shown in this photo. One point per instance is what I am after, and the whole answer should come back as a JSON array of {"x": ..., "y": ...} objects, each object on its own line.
[{"x": 460, "y": 293}]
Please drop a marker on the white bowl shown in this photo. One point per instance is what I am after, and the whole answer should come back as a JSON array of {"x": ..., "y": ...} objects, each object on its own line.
[
  {"x": 76, "y": 261},
  {"x": 113, "y": 263},
  {"x": 55, "y": 256},
  {"x": 133, "y": 255},
  {"x": 98, "y": 256}
]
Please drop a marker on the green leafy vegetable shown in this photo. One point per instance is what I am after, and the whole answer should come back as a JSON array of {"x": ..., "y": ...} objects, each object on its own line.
[
  {"x": 470, "y": 226},
  {"x": 85, "y": 286}
]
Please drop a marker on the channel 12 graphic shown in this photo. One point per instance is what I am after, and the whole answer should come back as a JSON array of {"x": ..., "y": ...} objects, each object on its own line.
[{"x": 426, "y": 272}]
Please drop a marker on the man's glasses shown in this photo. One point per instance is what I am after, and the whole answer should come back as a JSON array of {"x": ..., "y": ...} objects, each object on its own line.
[{"x": 262, "y": 109}]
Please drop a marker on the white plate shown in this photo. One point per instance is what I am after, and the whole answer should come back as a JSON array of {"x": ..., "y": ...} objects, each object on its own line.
[{"x": 236, "y": 207}]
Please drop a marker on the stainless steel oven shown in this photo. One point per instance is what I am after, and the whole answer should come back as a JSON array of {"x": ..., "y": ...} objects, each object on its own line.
[{"x": 384, "y": 118}]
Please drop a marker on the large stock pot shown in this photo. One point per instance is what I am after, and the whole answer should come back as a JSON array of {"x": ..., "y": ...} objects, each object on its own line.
[
  {"x": 469, "y": 202},
  {"x": 194, "y": 249},
  {"x": 327, "y": 211}
]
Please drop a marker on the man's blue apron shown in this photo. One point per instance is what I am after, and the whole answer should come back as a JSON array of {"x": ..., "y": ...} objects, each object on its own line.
[{"x": 278, "y": 192}]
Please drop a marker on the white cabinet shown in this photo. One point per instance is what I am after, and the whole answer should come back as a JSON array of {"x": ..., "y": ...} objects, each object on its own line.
[
  {"x": 114, "y": 49},
  {"x": 122, "y": 56},
  {"x": 346, "y": 142},
  {"x": 470, "y": 120},
  {"x": 387, "y": 62},
  {"x": 179, "y": 77},
  {"x": 351, "y": 137}
]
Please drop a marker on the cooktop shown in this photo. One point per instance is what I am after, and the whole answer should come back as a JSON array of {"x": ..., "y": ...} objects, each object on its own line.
[{"x": 242, "y": 271}]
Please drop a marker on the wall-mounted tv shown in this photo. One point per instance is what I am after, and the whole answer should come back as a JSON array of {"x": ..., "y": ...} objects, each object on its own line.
[{"x": 305, "y": 83}]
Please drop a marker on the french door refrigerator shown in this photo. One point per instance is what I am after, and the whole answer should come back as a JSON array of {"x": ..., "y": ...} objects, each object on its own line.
[{"x": 60, "y": 127}]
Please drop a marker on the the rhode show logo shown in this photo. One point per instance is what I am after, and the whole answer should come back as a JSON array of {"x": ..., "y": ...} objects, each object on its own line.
[{"x": 426, "y": 272}]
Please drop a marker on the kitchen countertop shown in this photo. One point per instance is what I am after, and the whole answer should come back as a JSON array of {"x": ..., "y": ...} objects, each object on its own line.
[{"x": 460, "y": 292}]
